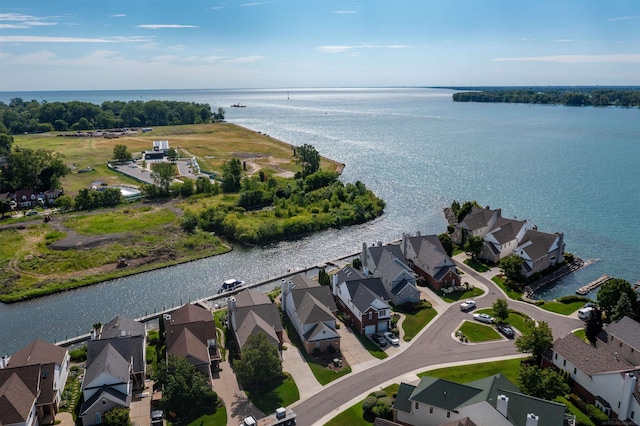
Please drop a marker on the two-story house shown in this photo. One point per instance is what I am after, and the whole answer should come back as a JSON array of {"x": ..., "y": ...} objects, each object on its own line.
[
  {"x": 251, "y": 312},
  {"x": 387, "y": 263},
  {"x": 623, "y": 339},
  {"x": 428, "y": 258},
  {"x": 540, "y": 250},
  {"x": 363, "y": 300},
  {"x": 503, "y": 238},
  {"x": 311, "y": 309},
  {"x": 477, "y": 223}
]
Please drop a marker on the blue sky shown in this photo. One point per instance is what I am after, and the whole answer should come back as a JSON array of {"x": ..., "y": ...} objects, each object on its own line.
[{"x": 171, "y": 44}]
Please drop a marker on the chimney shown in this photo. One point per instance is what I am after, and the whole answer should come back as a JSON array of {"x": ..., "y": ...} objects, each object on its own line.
[
  {"x": 335, "y": 284},
  {"x": 502, "y": 403},
  {"x": 363, "y": 255},
  {"x": 418, "y": 234},
  {"x": 93, "y": 334},
  {"x": 627, "y": 394},
  {"x": 532, "y": 420},
  {"x": 3, "y": 362},
  {"x": 379, "y": 243},
  {"x": 365, "y": 271}
]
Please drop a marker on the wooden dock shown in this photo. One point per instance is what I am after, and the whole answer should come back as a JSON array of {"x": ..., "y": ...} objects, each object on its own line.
[{"x": 593, "y": 285}]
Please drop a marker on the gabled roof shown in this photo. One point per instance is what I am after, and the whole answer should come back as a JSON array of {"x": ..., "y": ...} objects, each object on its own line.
[
  {"x": 505, "y": 230},
  {"x": 302, "y": 281},
  {"x": 105, "y": 392},
  {"x": 19, "y": 390},
  {"x": 110, "y": 362},
  {"x": 537, "y": 244},
  {"x": 626, "y": 330},
  {"x": 311, "y": 309},
  {"x": 253, "y": 322},
  {"x": 478, "y": 218},
  {"x": 401, "y": 286},
  {"x": 38, "y": 352},
  {"x": 589, "y": 359},
  {"x": 443, "y": 393},
  {"x": 188, "y": 346},
  {"x": 122, "y": 327},
  {"x": 320, "y": 332},
  {"x": 190, "y": 313},
  {"x": 349, "y": 273},
  {"x": 364, "y": 292},
  {"x": 249, "y": 297},
  {"x": 378, "y": 251},
  {"x": 460, "y": 422},
  {"x": 389, "y": 265}
]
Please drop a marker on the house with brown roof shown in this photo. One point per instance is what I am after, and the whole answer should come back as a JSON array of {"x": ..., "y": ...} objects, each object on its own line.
[
  {"x": 540, "y": 250},
  {"x": 428, "y": 258},
  {"x": 19, "y": 392},
  {"x": 251, "y": 312},
  {"x": 599, "y": 376},
  {"x": 311, "y": 309},
  {"x": 53, "y": 361},
  {"x": 191, "y": 333}
]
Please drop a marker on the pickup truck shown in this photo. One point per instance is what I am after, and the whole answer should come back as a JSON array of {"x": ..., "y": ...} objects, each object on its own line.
[{"x": 468, "y": 305}]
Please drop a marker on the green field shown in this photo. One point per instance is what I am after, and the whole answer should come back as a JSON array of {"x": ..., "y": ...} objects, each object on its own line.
[{"x": 477, "y": 332}]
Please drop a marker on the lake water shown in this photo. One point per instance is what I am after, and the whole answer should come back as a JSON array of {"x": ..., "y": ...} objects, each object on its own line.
[{"x": 573, "y": 170}]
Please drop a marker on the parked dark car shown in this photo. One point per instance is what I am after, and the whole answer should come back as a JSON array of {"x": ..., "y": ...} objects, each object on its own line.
[
  {"x": 506, "y": 330},
  {"x": 378, "y": 340}
]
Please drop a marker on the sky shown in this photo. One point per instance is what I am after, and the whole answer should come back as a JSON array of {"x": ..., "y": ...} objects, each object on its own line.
[{"x": 212, "y": 44}]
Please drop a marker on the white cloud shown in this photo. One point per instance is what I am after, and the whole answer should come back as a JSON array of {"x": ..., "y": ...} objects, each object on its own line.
[
  {"x": 577, "y": 59},
  {"x": 161, "y": 26},
  {"x": 118, "y": 15},
  {"x": 257, "y": 3},
  {"x": 341, "y": 49},
  {"x": 50, "y": 39},
  {"x": 563, "y": 40},
  {"x": 177, "y": 47},
  {"x": 19, "y": 20},
  {"x": 344, "y": 12},
  {"x": 245, "y": 59},
  {"x": 165, "y": 58},
  {"x": 624, "y": 18}
]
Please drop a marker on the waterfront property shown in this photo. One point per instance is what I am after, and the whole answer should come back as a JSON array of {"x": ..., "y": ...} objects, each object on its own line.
[
  {"x": 311, "y": 309},
  {"x": 428, "y": 258},
  {"x": 250, "y": 312},
  {"x": 540, "y": 250},
  {"x": 31, "y": 384}
]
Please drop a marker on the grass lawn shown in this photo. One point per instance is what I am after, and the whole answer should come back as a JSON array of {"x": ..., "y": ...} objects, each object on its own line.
[
  {"x": 278, "y": 394},
  {"x": 581, "y": 333},
  {"x": 126, "y": 220},
  {"x": 516, "y": 319},
  {"x": 581, "y": 418},
  {"x": 469, "y": 373},
  {"x": 457, "y": 296},
  {"x": 211, "y": 418},
  {"x": 352, "y": 416},
  {"x": 562, "y": 308},
  {"x": 512, "y": 294},
  {"x": 416, "y": 319},
  {"x": 477, "y": 332},
  {"x": 477, "y": 266}
]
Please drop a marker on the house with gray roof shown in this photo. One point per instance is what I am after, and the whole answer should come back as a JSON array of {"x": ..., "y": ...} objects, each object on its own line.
[
  {"x": 477, "y": 223},
  {"x": 622, "y": 338},
  {"x": 106, "y": 385},
  {"x": 190, "y": 332},
  {"x": 540, "y": 250},
  {"x": 128, "y": 337},
  {"x": 251, "y": 312},
  {"x": 54, "y": 370},
  {"x": 363, "y": 300},
  {"x": 503, "y": 238},
  {"x": 426, "y": 256},
  {"x": 311, "y": 309},
  {"x": 599, "y": 376},
  {"x": 387, "y": 263},
  {"x": 20, "y": 388},
  {"x": 492, "y": 401}
]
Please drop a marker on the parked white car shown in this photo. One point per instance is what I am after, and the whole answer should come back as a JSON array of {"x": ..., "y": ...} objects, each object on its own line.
[
  {"x": 468, "y": 305},
  {"x": 487, "y": 319},
  {"x": 391, "y": 338},
  {"x": 585, "y": 313}
]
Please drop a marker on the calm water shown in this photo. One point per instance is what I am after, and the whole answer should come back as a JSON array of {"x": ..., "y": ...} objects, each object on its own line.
[{"x": 573, "y": 170}]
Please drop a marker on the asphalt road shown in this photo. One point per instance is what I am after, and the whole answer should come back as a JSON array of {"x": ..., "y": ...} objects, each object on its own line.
[{"x": 434, "y": 346}]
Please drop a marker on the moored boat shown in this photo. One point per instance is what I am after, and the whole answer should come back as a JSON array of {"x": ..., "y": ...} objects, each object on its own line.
[{"x": 231, "y": 285}]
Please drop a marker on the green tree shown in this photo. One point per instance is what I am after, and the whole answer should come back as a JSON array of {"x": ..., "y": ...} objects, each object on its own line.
[
  {"x": 501, "y": 310},
  {"x": 189, "y": 222},
  {"x": 231, "y": 175},
  {"x": 5, "y": 143},
  {"x": 121, "y": 153},
  {"x": 541, "y": 383},
  {"x": 357, "y": 263},
  {"x": 185, "y": 389},
  {"x": 610, "y": 293},
  {"x": 447, "y": 243},
  {"x": 259, "y": 361},
  {"x": 162, "y": 176},
  {"x": 323, "y": 277},
  {"x": 511, "y": 267},
  {"x": 187, "y": 189},
  {"x": 593, "y": 325},
  {"x": 624, "y": 308},
  {"x": 5, "y": 207},
  {"x": 308, "y": 158},
  {"x": 538, "y": 339},
  {"x": 117, "y": 416},
  {"x": 172, "y": 155},
  {"x": 473, "y": 247}
]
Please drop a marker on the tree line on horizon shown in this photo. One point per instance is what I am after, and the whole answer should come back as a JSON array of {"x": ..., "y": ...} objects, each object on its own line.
[
  {"x": 568, "y": 97},
  {"x": 32, "y": 116}
]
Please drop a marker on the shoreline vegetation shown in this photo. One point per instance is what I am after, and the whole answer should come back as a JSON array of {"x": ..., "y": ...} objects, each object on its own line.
[
  {"x": 273, "y": 201},
  {"x": 567, "y": 96}
]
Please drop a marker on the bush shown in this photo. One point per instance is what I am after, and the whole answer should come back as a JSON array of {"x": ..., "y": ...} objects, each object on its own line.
[
  {"x": 380, "y": 394},
  {"x": 594, "y": 413},
  {"x": 78, "y": 355},
  {"x": 368, "y": 403},
  {"x": 572, "y": 298},
  {"x": 382, "y": 408}
]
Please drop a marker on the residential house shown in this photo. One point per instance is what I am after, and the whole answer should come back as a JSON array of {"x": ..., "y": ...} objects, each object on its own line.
[
  {"x": 19, "y": 392},
  {"x": 251, "y": 312},
  {"x": 623, "y": 339},
  {"x": 492, "y": 401},
  {"x": 477, "y": 223},
  {"x": 387, "y": 263},
  {"x": 191, "y": 333},
  {"x": 26, "y": 198},
  {"x": 601, "y": 377},
  {"x": 363, "y": 300},
  {"x": 540, "y": 250},
  {"x": 503, "y": 238},
  {"x": 53, "y": 361},
  {"x": 428, "y": 258},
  {"x": 311, "y": 309},
  {"x": 128, "y": 337}
]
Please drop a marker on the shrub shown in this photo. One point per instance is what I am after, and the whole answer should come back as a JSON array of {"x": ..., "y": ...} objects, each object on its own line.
[
  {"x": 572, "y": 298},
  {"x": 380, "y": 394},
  {"x": 368, "y": 403},
  {"x": 78, "y": 355},
  {"x": 382, "y": 408},
  {"x": 594, "y": 413}
]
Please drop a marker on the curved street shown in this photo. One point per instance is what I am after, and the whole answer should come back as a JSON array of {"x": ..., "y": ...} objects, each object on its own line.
[{"x": 434, "y": 346}]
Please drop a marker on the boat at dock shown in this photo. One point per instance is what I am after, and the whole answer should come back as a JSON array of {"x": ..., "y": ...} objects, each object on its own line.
[
  {"x": 593, "y": 285},
  {"x": 231, "y": 285}
]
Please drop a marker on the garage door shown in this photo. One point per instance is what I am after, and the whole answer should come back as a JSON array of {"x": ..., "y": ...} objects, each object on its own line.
[
  {"x": 383, "y": 326},
  {"x": 369, "y": 329}
]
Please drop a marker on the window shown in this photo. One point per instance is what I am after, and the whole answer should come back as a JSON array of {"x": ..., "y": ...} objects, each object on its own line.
[
  {"x": 370, "y": 315},
  {"x": 620, "y": 344},
  {"x": 632, "y": 413},
  {"x": 416, "y": 405},
  {"x": 104, "y": 401},
  {"x": 98, "y": 418},
  {"x": 430, "y": 410},
  {"x": 564, "y": 362},
  {"x": 575, "y": 371},
  {"x": 556, "y": 356},
  {"x": 448, "y": 414}
]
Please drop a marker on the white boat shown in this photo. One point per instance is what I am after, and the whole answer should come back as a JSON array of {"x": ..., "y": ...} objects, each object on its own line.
[{"x": 231, "y": 285}]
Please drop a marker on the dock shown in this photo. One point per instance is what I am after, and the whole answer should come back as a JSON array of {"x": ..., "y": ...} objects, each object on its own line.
[{"x": 593, "y": 285}]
